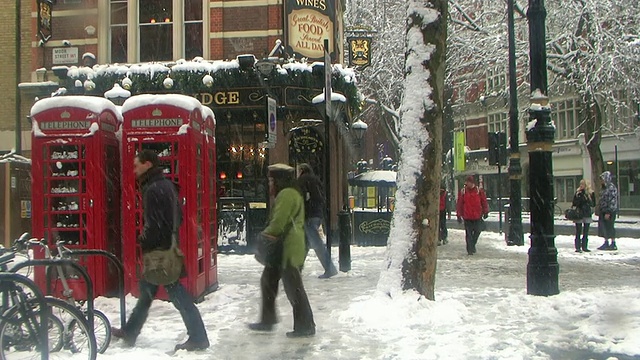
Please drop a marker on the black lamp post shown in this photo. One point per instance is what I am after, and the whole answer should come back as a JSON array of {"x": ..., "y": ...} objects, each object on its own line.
[
  {"x": 337, "y": 104},
  {"x": 542, "y": 269},
  {"x": 514, "y": 237}
]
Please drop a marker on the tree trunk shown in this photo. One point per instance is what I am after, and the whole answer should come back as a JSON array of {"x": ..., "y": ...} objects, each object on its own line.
[
  {"x": 593, "y": 137},
  {"x": 419, "y": 269}
]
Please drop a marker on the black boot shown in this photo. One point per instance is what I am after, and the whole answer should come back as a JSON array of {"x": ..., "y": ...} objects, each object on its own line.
[
  {"x": 613, "y": 246},
  {"x": 585, "y": 238},
  {"x": 604, "y": 246},
  {"x": 577, "y": 241}
]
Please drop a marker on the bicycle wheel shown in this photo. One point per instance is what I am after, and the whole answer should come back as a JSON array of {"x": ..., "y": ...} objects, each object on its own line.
[
  {"x": 101, "y": 329},
  {"x": 75, "y": 339},
  {"x": 19, "y": 338},
  {"x": 79, "y": 339}
]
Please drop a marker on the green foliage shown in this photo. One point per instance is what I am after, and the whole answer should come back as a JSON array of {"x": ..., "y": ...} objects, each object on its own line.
[{"x": 188, "y": 79}]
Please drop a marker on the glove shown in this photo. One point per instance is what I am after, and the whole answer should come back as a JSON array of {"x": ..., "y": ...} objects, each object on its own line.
[
  {"x": 485, "y": 216},
  {"x": 459, "y": 220}
]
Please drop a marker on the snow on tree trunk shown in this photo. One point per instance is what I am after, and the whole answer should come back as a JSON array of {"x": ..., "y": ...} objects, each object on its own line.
[{"x": 411, "y": 257}]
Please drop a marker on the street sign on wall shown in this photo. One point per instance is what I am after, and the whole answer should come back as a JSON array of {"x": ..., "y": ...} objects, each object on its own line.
[
  {"x": 458, "y": 150},
  {"x": 272, "y": 122}
]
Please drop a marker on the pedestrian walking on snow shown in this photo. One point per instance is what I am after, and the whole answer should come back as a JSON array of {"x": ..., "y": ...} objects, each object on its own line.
[
  {"x": 472, "y": 208},
  {"x": 314, "y": 206},
  {"x": 286, "y": 224},
  {"x": 161, "y": 216}
]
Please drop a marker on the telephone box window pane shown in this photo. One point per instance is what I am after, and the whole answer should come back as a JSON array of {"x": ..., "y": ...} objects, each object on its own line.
[
  {"x": 156, "y": 42},
  {"x": 119, "y": 44},
  {"x": 193, "y": 40}
]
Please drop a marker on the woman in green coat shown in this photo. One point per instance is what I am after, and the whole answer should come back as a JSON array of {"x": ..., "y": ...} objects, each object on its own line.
[{"x": 286, "y": 223}]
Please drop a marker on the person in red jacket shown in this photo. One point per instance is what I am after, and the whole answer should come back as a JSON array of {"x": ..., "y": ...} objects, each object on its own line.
[
  {"x": 472, "y": 207},
  {"x": 444, "y": 213}
]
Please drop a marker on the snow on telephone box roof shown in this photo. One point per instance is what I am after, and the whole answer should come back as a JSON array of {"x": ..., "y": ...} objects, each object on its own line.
[
  {"x": 155, "y": 111},
  {"x": 90, "y": 103},
  {"x": 181, "y": 101}
]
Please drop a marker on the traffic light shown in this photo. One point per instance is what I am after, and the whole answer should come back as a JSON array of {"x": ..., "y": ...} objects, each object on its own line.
[{"x": 497, "y": 148}]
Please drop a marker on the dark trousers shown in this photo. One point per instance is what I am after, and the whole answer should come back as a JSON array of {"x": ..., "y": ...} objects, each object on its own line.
[
  {"x": 292, "y": 281},
  {"x": 311, "y": 231},
  {"x": 581, "y": 241},
  {"x": 472, "y": 230},
  {"x": 443, "y": 226},
  {"x": 179, "y": 297}
]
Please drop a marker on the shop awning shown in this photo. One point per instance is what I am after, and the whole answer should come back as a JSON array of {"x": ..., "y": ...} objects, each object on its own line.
[{"x": 375, "y": 178}]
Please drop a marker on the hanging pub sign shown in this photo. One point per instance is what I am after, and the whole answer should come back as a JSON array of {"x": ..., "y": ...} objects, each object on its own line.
[
  {"x": 307, "y": 24},
  {"x": 44, "y": 19},
  {"x": 305, "y": 140},
  {"x": 359, "y": 51}
]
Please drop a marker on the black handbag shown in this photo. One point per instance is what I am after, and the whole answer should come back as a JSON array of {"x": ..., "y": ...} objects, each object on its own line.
[
  {"x": 268, "y": 252},
  {"x": 572, "y": 214}
]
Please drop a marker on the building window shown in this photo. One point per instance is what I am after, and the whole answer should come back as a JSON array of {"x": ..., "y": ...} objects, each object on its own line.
[
  {"x": 498, "y": 122},
  {"x": 565, "y": 188},
  {"x": 158, "y": 28},
  {"x": 193, "y": 27},
  {"x": 565, "y": 115},
  {"x": 496, "y": 80},
  {"x": 118, "y": 31},
  {"x": 620, "y": 112}
]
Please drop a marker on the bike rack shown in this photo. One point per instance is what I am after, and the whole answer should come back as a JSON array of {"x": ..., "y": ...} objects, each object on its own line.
[
  {"x": 44, "y": 309},
  {"x": 119, "y": 266},
  {"x": 61, "y": 262}
]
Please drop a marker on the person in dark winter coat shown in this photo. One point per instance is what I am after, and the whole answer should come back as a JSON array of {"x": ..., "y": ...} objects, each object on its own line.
[
  {"x": 583, "y": 200},
  {"x": 472, "y": 207},
  {"x": 607, "y": 211},
  {"x": 444, "y": 214},
  {"x": 161, "y": 211},
  {"x": 314, "y": 207},
  {"x": 286, "y": 224}
]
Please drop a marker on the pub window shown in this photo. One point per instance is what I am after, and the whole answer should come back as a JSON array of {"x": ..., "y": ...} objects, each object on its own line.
[
  {"x": 156, "y": 30},
  {"x": 156, "y": 27},
  {"x": 118, "y": 31},
  {"x": 241, "y": 161}
]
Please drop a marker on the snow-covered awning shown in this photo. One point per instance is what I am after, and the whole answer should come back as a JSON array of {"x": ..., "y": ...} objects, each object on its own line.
[{"x": 375, "y": 178}]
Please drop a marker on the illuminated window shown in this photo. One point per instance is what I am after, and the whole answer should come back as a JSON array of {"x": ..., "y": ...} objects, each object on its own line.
[{"x": 163, "y": 31}]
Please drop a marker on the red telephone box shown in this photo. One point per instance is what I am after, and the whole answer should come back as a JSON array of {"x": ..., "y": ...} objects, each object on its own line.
[
  {"x": 172, "y": 125},
  {"x": 212, "y": 198},
  {"x": 76, "y": 184}
]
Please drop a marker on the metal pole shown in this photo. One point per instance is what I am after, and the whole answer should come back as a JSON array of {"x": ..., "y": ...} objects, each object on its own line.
[
  {"x": 499, "y": 194},
  {"x": 615, "y": 154},
  {"x": 542, "y": 269},
  {"x": 327, "y": 151},
  {"x": 515, "y": 236},
  {"x": 18, "y": 123}
]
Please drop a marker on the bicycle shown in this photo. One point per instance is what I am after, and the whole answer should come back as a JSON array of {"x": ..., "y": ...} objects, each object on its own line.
[
  {"x": 20, "y": 336},
  {"x": 101, "y": 323}
]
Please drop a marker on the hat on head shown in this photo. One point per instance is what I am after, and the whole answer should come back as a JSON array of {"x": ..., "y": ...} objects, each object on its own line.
[
  {"x": 280, "y": 170},
  {"x": 470, "y": 179}
]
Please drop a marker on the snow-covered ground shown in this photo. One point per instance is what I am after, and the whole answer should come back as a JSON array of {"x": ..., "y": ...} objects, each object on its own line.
[{"x": 481, "y": 310}]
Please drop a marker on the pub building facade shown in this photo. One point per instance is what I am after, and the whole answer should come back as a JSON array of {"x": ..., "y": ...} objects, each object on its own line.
[{"x": 92, "y": 45}]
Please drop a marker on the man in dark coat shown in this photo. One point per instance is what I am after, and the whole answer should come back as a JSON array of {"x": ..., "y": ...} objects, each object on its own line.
[
  {"x": 161, "y": 216},
  {"x": 314, "y": 206}
]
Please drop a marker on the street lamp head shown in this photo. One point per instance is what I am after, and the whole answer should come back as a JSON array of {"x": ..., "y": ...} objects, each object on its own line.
[
  {"x": 117, "y": 94},
  {"x": 265, "y": 66},
  {"x": 359, "y": 128},
  {"x": 337, "y": 104}
]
